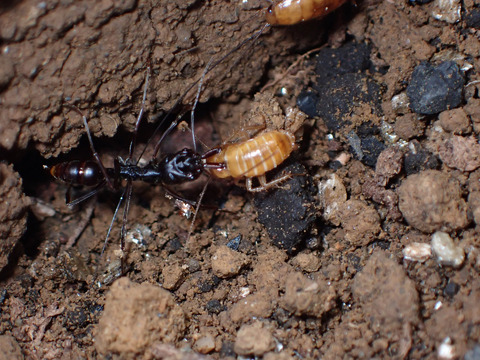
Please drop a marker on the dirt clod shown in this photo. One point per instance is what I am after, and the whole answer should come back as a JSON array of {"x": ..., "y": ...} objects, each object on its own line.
[
  {"x": 388, "y": 297},
  {"x": 145, "y": 310},
  {"x": 254, "y": 340},
  {"x": 360, "y": 221},
  {"x": 455, "y": 121},
  {"x": 460, "y": 152},
  {"x": 432, "y": 201},
  {"x": 308, "y": 297},
  {"x": 13, "y": 212},
  {"x": 227, "y": 262},
  {"x": 10, "y": 348}
]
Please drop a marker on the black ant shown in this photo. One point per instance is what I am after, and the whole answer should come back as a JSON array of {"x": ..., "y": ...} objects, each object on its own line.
[
  {"x": 175, "y": 168},
  {"x": 183, "y": 166}
]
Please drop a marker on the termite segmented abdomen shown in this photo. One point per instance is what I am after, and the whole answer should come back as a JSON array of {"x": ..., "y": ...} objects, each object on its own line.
[
  {"x": 254, "y": 157},
  {"x": 78, "y": 173},
  {"x": 290, "y": 12}
]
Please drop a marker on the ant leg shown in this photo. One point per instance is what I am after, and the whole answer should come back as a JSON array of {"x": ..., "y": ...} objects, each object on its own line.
[
  {"x": 139, "y": 118},
  {"x": 192, "y": 203},
  {"x": 84, "y": 220},
  {"x": 123, "y": 231},
  {"x": 84, "y": 197},
  {"x": 113, "y": 220},
  {"x": 199, "y": 201},
  {"x": 172, "y": 126},
  {"x": 92, "y": 147}
]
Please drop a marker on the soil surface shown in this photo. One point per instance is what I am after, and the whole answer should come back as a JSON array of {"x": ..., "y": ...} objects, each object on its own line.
[{"x": 370, "y": 250}]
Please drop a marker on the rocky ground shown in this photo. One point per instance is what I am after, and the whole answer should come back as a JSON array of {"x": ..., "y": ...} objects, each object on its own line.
[{"x": 370, "y": 251}]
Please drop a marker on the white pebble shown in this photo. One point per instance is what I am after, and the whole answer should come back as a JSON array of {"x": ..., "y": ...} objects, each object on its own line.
[
  {"x": 447, "y": 10},
  {"x": 400, "y": 103},
  {"x": 417, "y": 252},
  {"x": 446, "y": 350},
  {"x": 446, "y": 251}
]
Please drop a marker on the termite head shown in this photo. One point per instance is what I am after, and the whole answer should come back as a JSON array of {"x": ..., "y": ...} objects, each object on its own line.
[
  {"x": 270, "y": 15},
  {"x": 185, "y": 165}
]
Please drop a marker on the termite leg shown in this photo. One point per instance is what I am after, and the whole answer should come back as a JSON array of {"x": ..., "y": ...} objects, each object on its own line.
[
  {"x": 139, "y": 118},
  {"x": 264, "y": 185}
]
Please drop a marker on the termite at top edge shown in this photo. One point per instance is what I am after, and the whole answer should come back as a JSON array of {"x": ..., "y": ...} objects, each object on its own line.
[{"x": 291, "y": 12}]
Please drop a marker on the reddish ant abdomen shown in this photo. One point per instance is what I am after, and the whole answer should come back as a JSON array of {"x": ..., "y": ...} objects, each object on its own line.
[{"x": 78, "y": 173}]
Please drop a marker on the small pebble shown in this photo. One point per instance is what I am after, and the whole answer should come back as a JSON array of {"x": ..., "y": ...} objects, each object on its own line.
[
  {"x": 205, "y": 344},
  {"x": 400, "y": 103},
  {"x": 173, "y": 276},
  {"x": 446, "y": 251},
  {"x": 446, "y": 350},
  {"x": 417, "y": 252},
  {"x": 332, "y": 193},
  {"x": 459, "y": 152},
  {"x": 254, "y": 340},
  {"x": 433, "y": 89},
  {"x": 447, "y": 10},
  {"x": 307, "y": 262},
  {"x": 227, "y": 262}
]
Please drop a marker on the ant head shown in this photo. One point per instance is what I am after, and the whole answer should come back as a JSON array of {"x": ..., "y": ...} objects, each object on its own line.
[{"x": 185, "y": 165}]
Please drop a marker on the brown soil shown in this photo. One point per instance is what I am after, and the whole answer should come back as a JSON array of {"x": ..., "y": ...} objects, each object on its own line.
[{"x": 366, "y": 281}]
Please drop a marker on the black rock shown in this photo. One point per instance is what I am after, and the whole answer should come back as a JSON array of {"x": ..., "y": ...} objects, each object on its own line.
[
  {"x": 341, "y": 84},
  {"x": 341, "y": 95},
  {"x": 371, "y": 148},
  {"x": 348, "y": 59},
  {"x": 288, "y": 212},
  {"x": 433, "y": 89},
  {"x": 419, "y": 2},
  {"x": 472, "y": 18},
  {"x": 215, "y": 307},
  {"x": 451, "y": 289},
  {"x": 419, "y": 159},
  {"x": 307, "y": 102}
]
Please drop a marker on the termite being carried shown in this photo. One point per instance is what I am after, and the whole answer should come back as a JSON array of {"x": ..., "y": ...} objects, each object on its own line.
[
  {"x": 290, "y": 12},
  {"x": 271, "y": 144}
]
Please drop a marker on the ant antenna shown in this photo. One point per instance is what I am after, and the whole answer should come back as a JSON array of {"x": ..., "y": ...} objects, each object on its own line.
[
  {"x": 139, "y": 118},
  {"x": 192, "y": 113},
  {"x": 252, "y": 39}
]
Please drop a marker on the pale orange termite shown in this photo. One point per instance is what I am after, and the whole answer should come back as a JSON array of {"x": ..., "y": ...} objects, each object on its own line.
[
  {"x": 290, "y": 12},
  {"x": 256, "y": 156}
]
